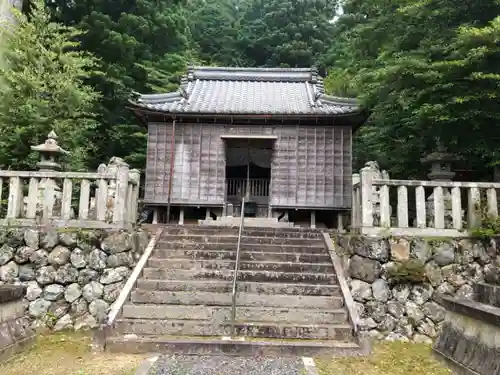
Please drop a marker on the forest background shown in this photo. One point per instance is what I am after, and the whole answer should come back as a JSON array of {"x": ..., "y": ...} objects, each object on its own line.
[{"x": 427, "y": 70}]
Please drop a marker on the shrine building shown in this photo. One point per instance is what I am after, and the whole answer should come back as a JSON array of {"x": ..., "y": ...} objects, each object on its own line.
[{"x": 270, "y": 135}]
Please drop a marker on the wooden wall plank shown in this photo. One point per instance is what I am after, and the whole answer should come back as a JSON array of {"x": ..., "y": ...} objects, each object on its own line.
[{"x": 311, "y": 165}]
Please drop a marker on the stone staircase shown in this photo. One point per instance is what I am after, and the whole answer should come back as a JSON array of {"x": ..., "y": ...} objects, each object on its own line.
[
  {"x": 254, "y": 222},
  {"x": 288, "y": 299}
]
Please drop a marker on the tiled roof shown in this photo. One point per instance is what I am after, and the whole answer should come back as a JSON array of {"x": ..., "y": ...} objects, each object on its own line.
[{"x": 262, "y": 91}]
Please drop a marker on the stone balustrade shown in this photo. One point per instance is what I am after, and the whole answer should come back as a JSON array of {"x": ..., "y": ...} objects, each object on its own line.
[
  {"x": 14, "y": 330},
  {"x": 106, "y": 199},
  {"x": 420, "y": 208},
  {"x": 36, "y": 198}
]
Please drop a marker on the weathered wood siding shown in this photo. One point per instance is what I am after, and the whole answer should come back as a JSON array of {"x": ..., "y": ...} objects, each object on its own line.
[
  {"x": 199, "y": 164},
  {"x": 311, "y": 165}
]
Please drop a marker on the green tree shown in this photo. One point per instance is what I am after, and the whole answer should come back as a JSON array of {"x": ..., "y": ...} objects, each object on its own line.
[
  {"x": 292, "y": 33},
  {"x": 142, "y": 46},
  {"x": 421, "y": 83},
  {"x": 214, "y": 28},
  {"x": 43, "y": 90}
]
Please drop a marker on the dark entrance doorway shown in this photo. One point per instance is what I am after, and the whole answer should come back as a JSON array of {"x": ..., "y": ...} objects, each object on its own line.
[{"x": 248, "y": 174}]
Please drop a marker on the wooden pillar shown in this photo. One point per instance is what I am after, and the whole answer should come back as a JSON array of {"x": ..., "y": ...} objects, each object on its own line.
[
  {"x": 313, "y": 219},
  {"x": 207, "y": 213},
  {"x": 181, "y": 216},
  {"x": 155, "y": 215}
]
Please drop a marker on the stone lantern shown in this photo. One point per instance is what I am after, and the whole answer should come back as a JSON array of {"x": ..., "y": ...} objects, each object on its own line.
[
  {"x": 50, "y": 153},
  {"x": 440, "y": 170},
  {"x": 441, "y": 162}
]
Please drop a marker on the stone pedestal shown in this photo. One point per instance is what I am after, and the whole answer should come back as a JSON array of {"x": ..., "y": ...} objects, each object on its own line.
[
  {"x": 469, "y": 341},
  {"x": 15, "y": 333},
  {"x": 111, "y": 169}
]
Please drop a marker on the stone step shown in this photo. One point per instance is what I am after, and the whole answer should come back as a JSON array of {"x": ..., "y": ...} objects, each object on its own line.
[
  {"x": 255, "y": 247},
  {"x": 286, "y": 267},
  {"x": 244, "y": 254},
  {"x": 180, "y": 298},
  {"x": 170, "y": 327},
  {"x": 188, "y": 264},
  {"x": 262, "y": 232},
  {"x": 292, "y": 330},
  {"x": 220, "y": 314},
  {"x": 135, "y": 344},
  {"x": 233, "y": 239},
  {"x": 249, "y": 223},
  {"x": 254, "y": 276},
  {"x": 242, "y": 299},
  {"x": 221, "y": 286},
  {"x": 296, "y": 314},
  {"x": 176, "y": 312}
]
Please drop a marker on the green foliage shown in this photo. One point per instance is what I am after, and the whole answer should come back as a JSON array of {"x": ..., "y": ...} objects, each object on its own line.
[
  {"x": 411, "y": 271},
  {"x": 290, "y": 33},
  {"x": 142, "y": 46},
  {"x": 490, "y": 225},
  {"x": 43, "y": 89},
  {"x": 214, "y": 28},
  {"x": 421, "y": 83}
]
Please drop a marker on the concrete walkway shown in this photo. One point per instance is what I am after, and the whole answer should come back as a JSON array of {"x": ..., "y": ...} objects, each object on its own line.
[{"x": 220, "y": 365}]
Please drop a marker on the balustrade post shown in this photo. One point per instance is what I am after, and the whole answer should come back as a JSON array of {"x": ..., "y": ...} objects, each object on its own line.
[
  {"x": 101, "y": 198},
  {"x": 402, "y": 207},
  {"x": 15, "y": 198},
  {"x": 356, "y": 204},
  {"x": 366, "y": 175},
  {"x": 133, "y": 196},
  {"x": 385, "y": 209},
  {"x": 438, "y": 207},
  {"x": 420, "y": 206},
  {"x": 474, "y": 208},
  {"x": 456, "y": 208},
  {"x": 491, "y": 197}
]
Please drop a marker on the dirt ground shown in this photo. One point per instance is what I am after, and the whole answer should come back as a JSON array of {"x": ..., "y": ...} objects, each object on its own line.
[{"x": 68, "y": 354}]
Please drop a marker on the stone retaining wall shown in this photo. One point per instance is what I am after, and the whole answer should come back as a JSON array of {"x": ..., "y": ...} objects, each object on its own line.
[
  {"x": 14, "y": 326},
  {"x": 469, "y": 342},
  {"x": 71, "y": 277},
  {"x": 407, "y": 310}
]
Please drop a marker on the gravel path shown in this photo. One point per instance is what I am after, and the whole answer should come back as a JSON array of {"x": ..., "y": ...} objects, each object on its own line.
[{"x": 220, "y": 365}]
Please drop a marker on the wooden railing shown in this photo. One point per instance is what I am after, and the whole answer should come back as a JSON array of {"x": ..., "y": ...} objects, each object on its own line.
[
  {"x": 427, "y": 208},
  {"x": 107, "y": 198},
  {"x": 259, "y": 187}
]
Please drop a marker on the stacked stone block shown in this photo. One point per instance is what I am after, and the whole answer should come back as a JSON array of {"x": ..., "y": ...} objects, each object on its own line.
[
  {"x": 14, "y": 326},
  {"x": 71, "y": 277},
  {"x": 413, "y": 311}
]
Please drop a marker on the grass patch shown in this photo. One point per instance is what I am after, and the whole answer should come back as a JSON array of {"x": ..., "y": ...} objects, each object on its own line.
[
  {"x": 388, "y": 358},
  {"x": 68, "y": 354}
]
